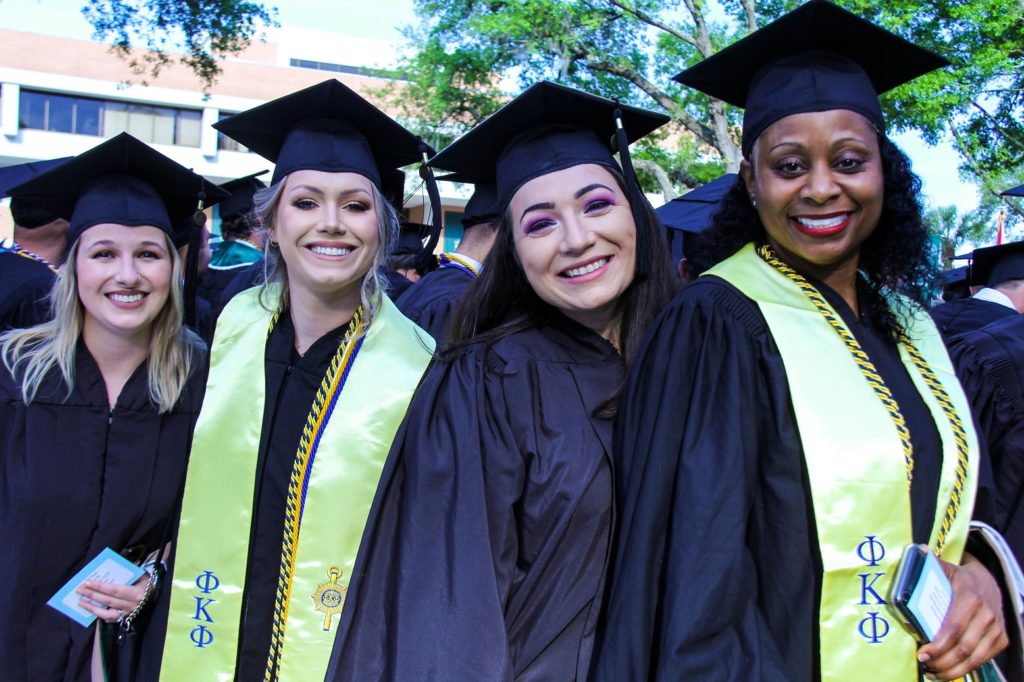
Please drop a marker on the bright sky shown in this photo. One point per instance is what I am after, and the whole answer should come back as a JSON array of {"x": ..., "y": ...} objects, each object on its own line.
[{"x": 380, "y": 19}]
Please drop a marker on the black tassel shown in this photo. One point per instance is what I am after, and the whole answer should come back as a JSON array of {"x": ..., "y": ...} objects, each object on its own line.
[
  {"x": 635, "y": 195},
  {"x": 195, "y": 240},
  {"x": 437, "y": 219}
]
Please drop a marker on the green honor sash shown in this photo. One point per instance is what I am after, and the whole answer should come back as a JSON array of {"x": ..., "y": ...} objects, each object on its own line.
[
  {"x": 372, "y": 380},
  {"x": 858, "y": 470}
]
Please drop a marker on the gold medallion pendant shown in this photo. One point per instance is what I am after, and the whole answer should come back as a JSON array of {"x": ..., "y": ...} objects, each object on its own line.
[{"x": 329, "y": 597}]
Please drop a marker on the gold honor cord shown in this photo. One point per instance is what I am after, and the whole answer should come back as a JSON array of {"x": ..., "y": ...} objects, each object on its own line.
[
  {"x": 319, "y": 414},
  {"x": 876, "y": 382},
  {"x": 454, "y": 260}
]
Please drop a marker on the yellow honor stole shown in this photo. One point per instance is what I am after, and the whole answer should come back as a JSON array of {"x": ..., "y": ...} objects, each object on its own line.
[
  {"x": 859, "y": 461},
  {"x": 334, "y": 479}
]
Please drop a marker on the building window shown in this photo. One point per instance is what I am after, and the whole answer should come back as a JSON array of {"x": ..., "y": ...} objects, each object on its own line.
[
  {"x": 226, "y": 143},
  {"x": 104, "y": 118},
  {"x": 452, "y": 229}
]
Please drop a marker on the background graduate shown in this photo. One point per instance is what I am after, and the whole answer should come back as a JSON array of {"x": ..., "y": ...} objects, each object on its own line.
[
  {"x": 97, "y": 405},
  {"x": 30, "y": 258},
  {"x": 794, "y": 423},
  {"x": 431, "y": 301},
  {"x": 485, "y": 555},
  {"x": 310, "y": 376},
  {"x": 999, "y": 272}
]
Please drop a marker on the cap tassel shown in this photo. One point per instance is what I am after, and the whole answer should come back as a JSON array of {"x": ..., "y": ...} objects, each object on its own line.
[
  {"x": 427, "y": 175},
  {"x": 634, "y": 194},
  {"x": 195, "y": 240}
]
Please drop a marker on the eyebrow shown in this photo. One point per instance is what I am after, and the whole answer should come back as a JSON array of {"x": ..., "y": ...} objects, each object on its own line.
[
  {"x": 111, "y": 242},
  {"x": 548, "y": 205},
  {"x": 317, "y": 190},
  {"x": 842, "y": 140},
  {"x": 590, "y": 188},
  {"x": 537, "y": 207}
]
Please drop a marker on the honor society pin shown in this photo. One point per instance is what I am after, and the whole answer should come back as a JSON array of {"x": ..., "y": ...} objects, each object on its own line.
[{"x": 329, "y": 597}]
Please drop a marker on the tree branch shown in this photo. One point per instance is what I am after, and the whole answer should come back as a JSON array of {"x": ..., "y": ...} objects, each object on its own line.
[
  {"x": 701, "y": 130},
  {"x": 999, "y": 126},
  {"x": 701, "y": 29},
  {"x": 659, "y": 173},
  {"x": 986, "y": 182},
  {"x": 748, "y": 9},
  {"x": 648, "y": 19}
]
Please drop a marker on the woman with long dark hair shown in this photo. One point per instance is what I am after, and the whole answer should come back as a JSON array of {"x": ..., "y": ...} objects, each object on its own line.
[
  {"x": 794, "y": 422},
  {"x": 491, "y": 531},
  {"x": 97, "y": 404}
]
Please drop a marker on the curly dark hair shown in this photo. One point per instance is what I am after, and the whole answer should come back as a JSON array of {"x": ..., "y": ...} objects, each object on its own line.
[
  {"x": 897, "y": 256},
  {"x": 502, "y": 301}
]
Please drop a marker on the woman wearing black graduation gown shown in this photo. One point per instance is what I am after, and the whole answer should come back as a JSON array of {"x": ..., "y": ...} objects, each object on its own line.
[
  {"x": 486, "y": 551},
  {"x": 98, "y": 404},
  {"x": 310, "y": 375},
  {"x": 769, "y": 482}
]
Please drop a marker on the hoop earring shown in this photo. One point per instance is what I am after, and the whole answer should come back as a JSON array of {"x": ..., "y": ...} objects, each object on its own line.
[{"x": 273, "y": 244}]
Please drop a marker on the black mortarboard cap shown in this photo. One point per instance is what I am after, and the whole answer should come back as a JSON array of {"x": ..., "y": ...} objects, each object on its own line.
[
  {"x": 411, "y": 239},
  {"x": 1015, "y": 192},
  {"x": 954, "y": 276},
  {"x": 691, "y": 213},
  {"x": 242, "y": 190},
  {"x": 12, "y": 176},
  {"x": 123, "y": 181},
  {"x": 327, "y": 127},
  {"x": 818, "y": 57},
  {"x": 482, "y": 206},
  {"x": 994, "y": 264},
  {"x": 547, "y": 128}
]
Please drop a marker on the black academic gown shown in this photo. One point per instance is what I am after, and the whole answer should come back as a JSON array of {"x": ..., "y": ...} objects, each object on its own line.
[
  {"x": 431, "y": 301},
  {"x": 78, "y": 477},
  {"x": 967, "y": 314},
  {"x": 990, "y": 364},
  {"x": 485, "y": 553},
  {"x": 717, "y": 573},
  {"x": 292, "y": 383},
  {"x": 24, "y": 287}
]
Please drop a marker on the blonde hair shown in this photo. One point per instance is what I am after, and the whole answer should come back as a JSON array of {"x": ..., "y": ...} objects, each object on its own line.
[
  {"x": 36, "y": 351},
  {"x": 275, "y": 270}
]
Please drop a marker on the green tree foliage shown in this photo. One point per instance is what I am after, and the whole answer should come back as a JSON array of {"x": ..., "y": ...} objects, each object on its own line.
[
  {"x": 957, "y": 230},
  {"x": 629, "y": 49},
  {"x": 150, "y": 33}
]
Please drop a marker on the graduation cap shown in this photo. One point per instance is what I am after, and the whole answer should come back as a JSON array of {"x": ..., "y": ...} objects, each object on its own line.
[
  {"x": 12, "y": 176},
  {"x": 1015, "y": 192},
  {"x": 549, "y": 128},
  {"x": 330, "y": 127},
  {"x": 25, "y": 214},
  {"x": 482, "y": 206},
  {"x": 326, "y": 127},
  {"x": 242, "y": 190},
  {"x": 126, "y": 182},
  {"x": 411, "y": 237},
  {"x": 994, "y": 264},
  {"x": 691, "y": 213},
  {"x": 819, "y": 57},
  {"x": 123, "y": 181},
  {"x": 954, "y": 276}
]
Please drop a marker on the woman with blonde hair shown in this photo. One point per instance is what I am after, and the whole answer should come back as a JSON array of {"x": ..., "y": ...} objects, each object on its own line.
[
  {"x": 98, "y": 403},
  {"x": 310, "y": 376}
]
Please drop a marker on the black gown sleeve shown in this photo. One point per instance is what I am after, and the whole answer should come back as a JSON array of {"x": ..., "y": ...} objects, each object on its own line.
[
  {"x": 485, "y": 553},
  {"x": 990, "y": 365},
  {"x": 714, "y": 550}
]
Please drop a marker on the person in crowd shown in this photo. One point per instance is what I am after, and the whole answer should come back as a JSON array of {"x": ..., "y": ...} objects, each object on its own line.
[
  {"x": 98, "y": 403},
  {"x": 485, "y": 554},
  {"x": 240, "y": 244},
  {"x": 990, "y": 364},
  {"x": 999, "y": 271},
  {"x": 30, "y": 258},
  {"x": 310, "y": 376},
  {"x": 793, "y": 422},
  {"x": 431, "y": 301}
]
